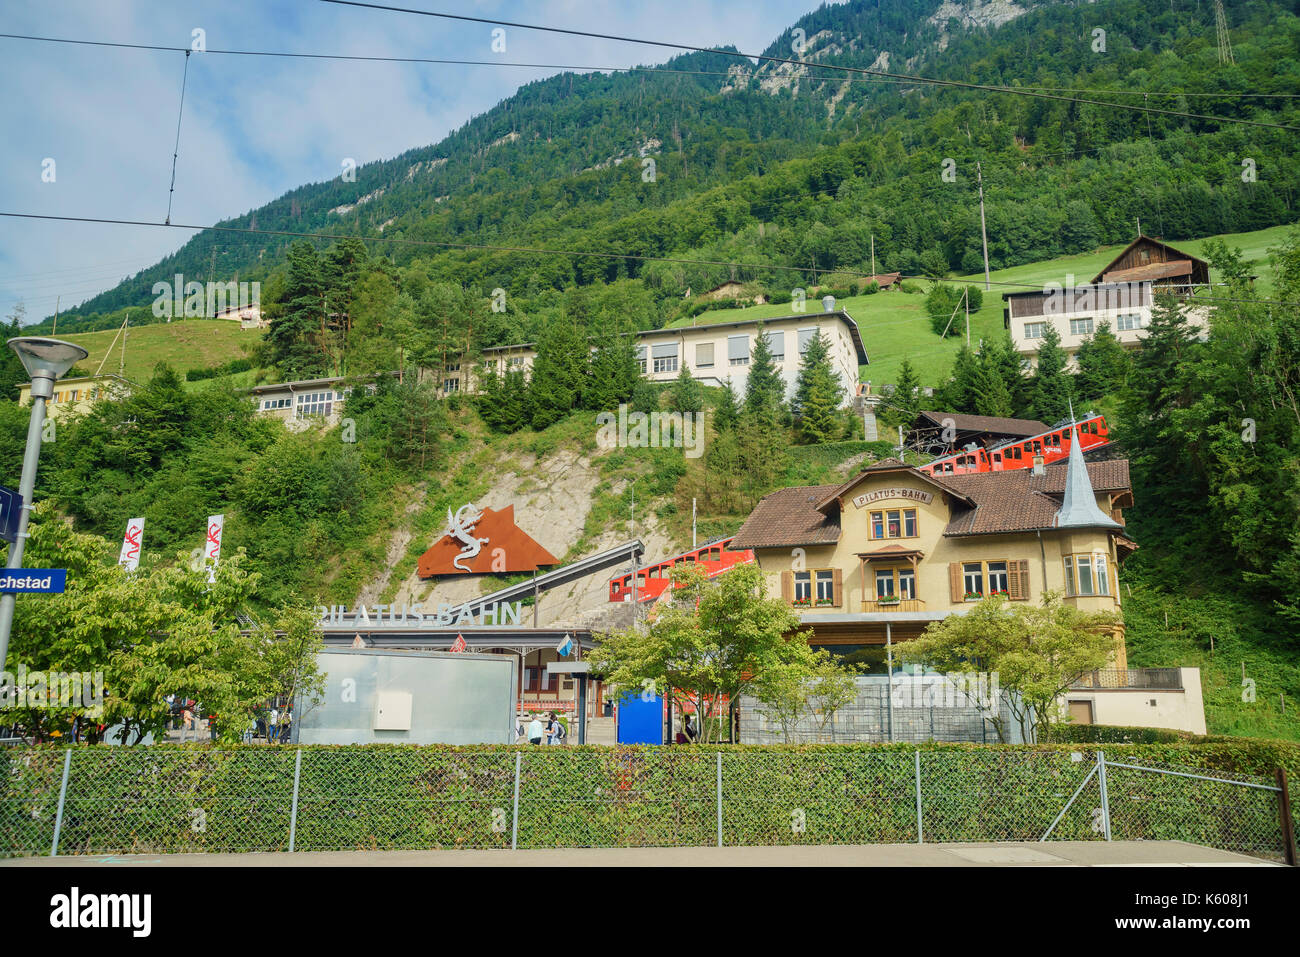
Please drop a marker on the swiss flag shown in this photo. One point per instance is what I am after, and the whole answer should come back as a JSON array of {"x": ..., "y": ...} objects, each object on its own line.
[{"x": 458, "y": 644}]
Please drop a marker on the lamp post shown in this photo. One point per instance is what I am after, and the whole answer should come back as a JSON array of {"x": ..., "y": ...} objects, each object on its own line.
[{"x": 45, "y": 361}]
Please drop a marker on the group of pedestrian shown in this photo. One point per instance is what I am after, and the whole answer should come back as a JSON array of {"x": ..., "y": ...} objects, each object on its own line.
[{"x": 537, "y": 731}]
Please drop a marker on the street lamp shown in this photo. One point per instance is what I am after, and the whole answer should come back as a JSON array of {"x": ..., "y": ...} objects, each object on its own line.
[{"x": 45, "y": 360}]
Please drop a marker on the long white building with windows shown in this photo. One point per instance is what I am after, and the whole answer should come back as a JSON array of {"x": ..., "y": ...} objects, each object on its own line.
[
  {"x": 718, "y": 351},
  {"x": 1121, "y": 296}
]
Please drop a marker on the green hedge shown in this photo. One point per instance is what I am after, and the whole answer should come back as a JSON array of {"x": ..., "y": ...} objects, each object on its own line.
[
  {"x": 194, "y": 798},
  {"x": 1116, "y": 734}
]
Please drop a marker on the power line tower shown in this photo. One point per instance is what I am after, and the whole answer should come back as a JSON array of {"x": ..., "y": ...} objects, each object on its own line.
[{"x": 1221, "y": 31}]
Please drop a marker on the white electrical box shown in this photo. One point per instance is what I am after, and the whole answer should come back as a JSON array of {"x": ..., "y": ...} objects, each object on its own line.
[{"x": 393, "y": 711}]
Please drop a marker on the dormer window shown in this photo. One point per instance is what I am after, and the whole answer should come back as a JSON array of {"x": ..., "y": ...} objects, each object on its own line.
[{"x": 893, "y": 523}]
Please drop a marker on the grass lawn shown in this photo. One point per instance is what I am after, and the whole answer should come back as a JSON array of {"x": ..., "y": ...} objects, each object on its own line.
[
  {"x": 895, "y": 326},
  {"x": 187, "y": 344}
]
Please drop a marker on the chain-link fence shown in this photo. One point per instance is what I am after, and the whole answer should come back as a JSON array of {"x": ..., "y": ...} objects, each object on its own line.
[
  {"x": 901, "y": 708},
  {"x": 102, "y": 800}
]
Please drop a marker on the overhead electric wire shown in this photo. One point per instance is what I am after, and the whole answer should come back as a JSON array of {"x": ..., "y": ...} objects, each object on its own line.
[
  {"x": 180, "y": 113},
  {"x": 861, "y": 71},
  {"x": 599, "y": 254},
  {"x": 450, "y": 61},
  {"x": 537, "y": 250}
]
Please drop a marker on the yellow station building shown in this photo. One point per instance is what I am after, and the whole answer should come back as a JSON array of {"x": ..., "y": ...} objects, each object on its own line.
[{"x": 891, "y": 550}]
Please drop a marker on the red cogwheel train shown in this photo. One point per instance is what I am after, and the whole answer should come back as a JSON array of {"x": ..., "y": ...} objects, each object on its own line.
[
  {"x": 712, "y": 558},
  {"x": 1053, "y": 445}
]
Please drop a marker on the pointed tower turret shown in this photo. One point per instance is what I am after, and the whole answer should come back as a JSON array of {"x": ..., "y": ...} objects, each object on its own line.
[{"x": 1079, "y": 508}]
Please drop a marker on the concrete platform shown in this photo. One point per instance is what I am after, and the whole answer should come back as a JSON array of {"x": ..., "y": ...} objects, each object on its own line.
[{"x": 1021, "y": 854}]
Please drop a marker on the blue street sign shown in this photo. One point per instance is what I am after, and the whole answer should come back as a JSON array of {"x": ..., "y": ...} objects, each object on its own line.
[
  {"x": 33, "y": 579},
  {"x": 11, "y": 506}
]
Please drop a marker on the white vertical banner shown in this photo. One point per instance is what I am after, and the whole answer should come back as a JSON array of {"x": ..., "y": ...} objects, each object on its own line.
[
  {"x": 132, "y": 541},
  {"x": 212, "y": 550},
  {"x": 212, "y": 547}
]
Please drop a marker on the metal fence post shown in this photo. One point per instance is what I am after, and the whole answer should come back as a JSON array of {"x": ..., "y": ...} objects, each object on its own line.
[
  {"x": 1105, "y": 796},
  {"x": 719, "y": 799},
  {"x": 293, "y": 807},
  {"x": 920, "y": 834},
  {"x": 514, "y": 819},
  {"x": 63, "y": 794},
  {"x": 1284, "y": 810}
]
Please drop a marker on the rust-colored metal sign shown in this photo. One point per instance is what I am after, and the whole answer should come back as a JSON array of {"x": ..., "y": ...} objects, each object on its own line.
[{"x": 483, "y": 542}]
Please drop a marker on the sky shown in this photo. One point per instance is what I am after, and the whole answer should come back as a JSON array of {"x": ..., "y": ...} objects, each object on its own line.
[{"x": 90, "y": 131}]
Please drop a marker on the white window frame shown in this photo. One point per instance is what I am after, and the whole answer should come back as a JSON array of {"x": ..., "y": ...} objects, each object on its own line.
[
  {"x": 1082, "y": 327},
  {"x": 1035, "y": 330}
]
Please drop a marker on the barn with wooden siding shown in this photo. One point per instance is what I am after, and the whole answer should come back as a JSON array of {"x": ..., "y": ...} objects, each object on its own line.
[{"x": 1147, "y": 260}]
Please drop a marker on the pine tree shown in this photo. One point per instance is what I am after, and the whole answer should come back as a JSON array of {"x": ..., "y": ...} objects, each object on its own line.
[
  {"x": 1103, "y": 364},
  {"x": 728, "y": 412},
  {"x": 614, "y": 373},
  {"x": 559, "y": 374},
  {"x": 1006, "y": 363},
  {"x": 961, "y": 392},
  {"x": 904, "y": 399},
  {"x": 686, "y": 394},
  {"x": 295, "y": 334},
  {"x": 817, "y": 394},
  {"x": 1053, "y": 387},
  {"x": 765, "y": 388}
]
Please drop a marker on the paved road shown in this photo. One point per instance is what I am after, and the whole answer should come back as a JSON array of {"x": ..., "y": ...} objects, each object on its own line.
[{"x": 1054, "y": 853}]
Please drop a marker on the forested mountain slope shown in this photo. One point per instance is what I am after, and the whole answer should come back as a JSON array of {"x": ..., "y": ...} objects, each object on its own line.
[{"x": 799, "y": 165}]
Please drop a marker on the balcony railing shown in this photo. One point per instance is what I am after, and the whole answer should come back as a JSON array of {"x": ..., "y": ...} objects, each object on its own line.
[
  {"x": 1156, "y": 679},
  {"x": 905, "y": 604}
]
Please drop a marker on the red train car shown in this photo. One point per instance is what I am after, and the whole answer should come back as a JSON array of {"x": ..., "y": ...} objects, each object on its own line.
[
  {"x": 712, "y": 558},
  {"x": 1053, "y": 445}
]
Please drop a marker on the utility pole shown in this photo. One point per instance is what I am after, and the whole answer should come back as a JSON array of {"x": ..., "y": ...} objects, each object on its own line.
[
  {"x": 965, "y": 294},
  {"x": 984, "y": 234},
  {"x": 121, "y": 364},
  {"x": 56, "y": 315}
]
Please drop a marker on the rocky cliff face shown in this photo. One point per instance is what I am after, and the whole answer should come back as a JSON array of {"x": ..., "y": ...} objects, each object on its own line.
[{"x": 553, "y": 497}]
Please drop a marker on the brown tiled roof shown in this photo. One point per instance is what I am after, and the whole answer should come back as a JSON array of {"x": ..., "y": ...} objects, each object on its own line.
[
  {"x": 1180, "y": 267},
  {"x": 1020, "y": 501},
  {"x": 988, "y": 423},
  {"x": 789, "y": 517},
  {"x": 892, "y": 551},
  {"x": 984, "y": 503}
]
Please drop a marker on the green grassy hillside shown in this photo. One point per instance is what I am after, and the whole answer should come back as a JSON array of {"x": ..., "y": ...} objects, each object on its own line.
[
  {"x": 895, "y": 325},
  {"x": 191, "y": 344}
]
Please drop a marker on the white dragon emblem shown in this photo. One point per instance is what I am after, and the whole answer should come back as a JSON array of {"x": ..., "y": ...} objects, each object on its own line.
[{"x": 460, "y": 526}]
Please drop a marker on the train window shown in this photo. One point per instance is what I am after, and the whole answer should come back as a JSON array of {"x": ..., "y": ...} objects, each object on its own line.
[{"x": 1027, "y": 448}]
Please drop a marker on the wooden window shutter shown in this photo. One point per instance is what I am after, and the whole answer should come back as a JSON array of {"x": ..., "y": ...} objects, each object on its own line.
[
  {"x": 954, "y": 581},
  {"x": 1018, "y": 580},
  {"x": 837, "y": 587},
  {"x": 787, "y": 587}
]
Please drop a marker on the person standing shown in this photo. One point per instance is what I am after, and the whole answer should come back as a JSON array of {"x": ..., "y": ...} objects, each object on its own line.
[{"x": 535, "y": 730}]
